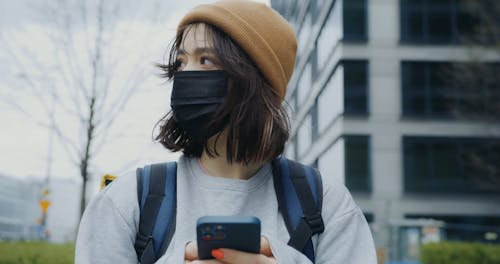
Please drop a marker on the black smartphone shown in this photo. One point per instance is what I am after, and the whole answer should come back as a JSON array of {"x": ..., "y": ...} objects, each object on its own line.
[{"x": 235, "y": 232}]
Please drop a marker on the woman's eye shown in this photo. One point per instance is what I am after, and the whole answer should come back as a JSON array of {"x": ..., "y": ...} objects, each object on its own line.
[
  {"x": 178, "y": 64},
  {"x": 206, "y": 61}
]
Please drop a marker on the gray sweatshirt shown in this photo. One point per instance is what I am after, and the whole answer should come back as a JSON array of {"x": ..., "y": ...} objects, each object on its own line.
[{"x": 110, "y": 222}]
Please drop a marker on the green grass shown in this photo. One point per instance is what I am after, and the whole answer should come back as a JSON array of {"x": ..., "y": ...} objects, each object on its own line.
[{"x": 36, "y": 253}]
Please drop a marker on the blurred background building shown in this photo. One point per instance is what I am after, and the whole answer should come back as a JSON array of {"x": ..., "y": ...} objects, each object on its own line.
[
  {"x": 21, "y": 214},
  {"x": 19, "y": 208},
  {"x": 399, "y": 99}
]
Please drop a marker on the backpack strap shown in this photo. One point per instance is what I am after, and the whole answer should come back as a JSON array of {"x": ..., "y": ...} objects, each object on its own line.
[
  {"x": 300, "y": 193},
  {"x": 157, "y": 197}
]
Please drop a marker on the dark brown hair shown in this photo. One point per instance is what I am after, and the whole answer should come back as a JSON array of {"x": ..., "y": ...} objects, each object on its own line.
[{"x": 257, "y": 124}]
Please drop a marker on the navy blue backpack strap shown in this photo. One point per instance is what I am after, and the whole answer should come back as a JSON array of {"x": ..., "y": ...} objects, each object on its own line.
[
  {"x": 157, "y": 197},
  {"x": 300, "y": 193}
]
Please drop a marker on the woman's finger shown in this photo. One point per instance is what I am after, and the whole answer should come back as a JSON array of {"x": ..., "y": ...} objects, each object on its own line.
[
  {"x": 211, "y": 261},
  {"x": 265, "y": 247},
  {"x": 191, "y": 252},
  {"x": 230, "y": 256}
]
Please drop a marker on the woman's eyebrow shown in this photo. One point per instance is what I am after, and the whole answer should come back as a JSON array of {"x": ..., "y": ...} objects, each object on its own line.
[
  {"x": 197, "y": 51},
  {"x": 204, "y": 50}
]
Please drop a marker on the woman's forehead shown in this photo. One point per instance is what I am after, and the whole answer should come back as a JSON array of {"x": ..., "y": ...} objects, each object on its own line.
[{"x": 195, "y": 36}]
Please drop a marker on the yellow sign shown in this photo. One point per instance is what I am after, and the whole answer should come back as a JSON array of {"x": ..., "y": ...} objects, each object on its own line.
[
  {"x": 44, "y": 204},
  {"x": 107, "y": 179}
]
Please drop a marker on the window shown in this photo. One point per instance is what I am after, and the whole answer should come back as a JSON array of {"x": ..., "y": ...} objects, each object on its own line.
[
  {"x": 320, "y": 5},
  {"x": 425, "y": 90},
  {"x": 292, "y": 105},
  {"x": 355, "y": 20},
  {"x": 305, "y": 32},
  {"x": 357, "y": 163},
  {"x": 8, "y": 208},
  {"x": 330, "y": 34},
  {"x": 314, "y": 119},
  {"x": 441, "y": 90},
  {"x": 369, "y": 217},
  {"x": 291, "y": 149},
  {"x": 315, "y": 164},
  {"x": 438, "y": 21},
  {"x": 345, "y": 93},
  {"x": 304, "y": 135},
  {"x": 451, "y": 165},
  {"x": 331, "y": 162},
  {"x": 355, "y": 87},
  {"x": 304, "y": 84},
  {"x": 330, "y": 100},
  {"x": 279, "y": 5},
  {"x": 467, "y": 20},
  {"x": 466, "y": 227}
]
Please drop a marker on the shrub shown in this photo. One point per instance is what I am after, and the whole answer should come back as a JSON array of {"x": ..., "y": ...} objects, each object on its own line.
[
  {"x": 36, "y": 253},
  {"x": 459, "y": 253}
]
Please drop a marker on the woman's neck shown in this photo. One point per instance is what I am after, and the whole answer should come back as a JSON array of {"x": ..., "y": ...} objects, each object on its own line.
[{"x": 220, "y": 167}]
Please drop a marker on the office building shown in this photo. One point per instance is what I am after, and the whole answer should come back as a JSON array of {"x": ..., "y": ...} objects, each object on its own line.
[
  {"x": 21, "y": 214},
  {"x": 19, "y": 209},
  {"x": 375, "y": 105}
]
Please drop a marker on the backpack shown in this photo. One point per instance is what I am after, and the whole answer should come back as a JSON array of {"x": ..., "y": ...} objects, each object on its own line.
[{"x": 298, "y": 189}]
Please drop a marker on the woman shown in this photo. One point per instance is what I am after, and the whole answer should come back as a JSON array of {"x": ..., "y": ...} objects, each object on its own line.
[{"x": 230, "y": 65}]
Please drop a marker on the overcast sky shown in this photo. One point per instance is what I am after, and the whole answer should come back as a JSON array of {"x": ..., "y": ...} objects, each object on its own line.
[{"x": 24, "y": 144}]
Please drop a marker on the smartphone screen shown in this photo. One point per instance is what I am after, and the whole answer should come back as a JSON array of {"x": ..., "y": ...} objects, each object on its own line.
[{"x": 234, "y": 232}]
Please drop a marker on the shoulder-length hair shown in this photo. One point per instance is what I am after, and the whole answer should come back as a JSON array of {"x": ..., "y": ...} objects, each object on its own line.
[{"x": 254, "y": 118}]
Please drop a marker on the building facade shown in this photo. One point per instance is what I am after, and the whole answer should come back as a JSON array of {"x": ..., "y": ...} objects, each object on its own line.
[
  {"x": 21, "y": 214},
  {"x": 373, "y": 105},
  {"x": 19, "y": 210}
]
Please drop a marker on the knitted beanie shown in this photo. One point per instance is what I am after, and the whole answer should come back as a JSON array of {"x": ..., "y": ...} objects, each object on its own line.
[{"x": 261, "y": 32}]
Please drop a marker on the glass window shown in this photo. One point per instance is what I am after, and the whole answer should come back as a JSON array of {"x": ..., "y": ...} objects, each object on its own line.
[
  {"x": 355, "y": 87},
  {"x": 369, "y": 217},
  {"x": 292, "y": 105},
  {"x": 430, "y": 89},
  {"x": 320, "y": 5},
  {"x": 330, "y": 100},
  {"x": 290, "y": 151},
  {"x": 291, "y": 17},
  {"x": 330, "y": 35},
  {"x": 456, "y": 165},
  {"x": 304, "y": 34},
  {"x": 412, "y": 20},
  {"x": 314, "y": 63},
  {"x": 467, "y": 18},
  {"x": 355, "y": 20},
  {"x": 304, "y": 136},
  {"x": 357, "y": 163},
  {"x": 279, "y": 5},
  {"x": 414, "y": 88},
  {"x": 314, "y": 119},
  {"x": 304, "y": 84},
  {"x": 437, "y": 21},
  {"x": 295, "y": 6},
  {"x": 315, "y": 164},
  {"x": 331, "y": 162}
]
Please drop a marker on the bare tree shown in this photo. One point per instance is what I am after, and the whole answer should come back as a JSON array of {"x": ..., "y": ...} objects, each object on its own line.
[
  {"x": 79, "y": 80},
  {"x": 478, "y": 78},
  {"x": 473, "y": 90}
]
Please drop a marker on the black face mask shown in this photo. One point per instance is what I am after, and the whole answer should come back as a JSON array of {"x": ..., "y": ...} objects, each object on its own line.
[{"x": 196, "y": 96}]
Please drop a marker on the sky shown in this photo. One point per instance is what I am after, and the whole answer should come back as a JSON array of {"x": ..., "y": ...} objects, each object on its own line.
[{"x": 24, "y": 144}]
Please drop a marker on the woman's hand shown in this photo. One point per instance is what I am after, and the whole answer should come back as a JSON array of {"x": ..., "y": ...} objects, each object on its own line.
[
  {"x": 191, "y": 255},
  {"x": 230, "y": 256}
]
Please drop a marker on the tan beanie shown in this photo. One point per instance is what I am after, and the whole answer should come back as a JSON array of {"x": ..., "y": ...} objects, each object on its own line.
[{"x": 262, "y": 33}]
